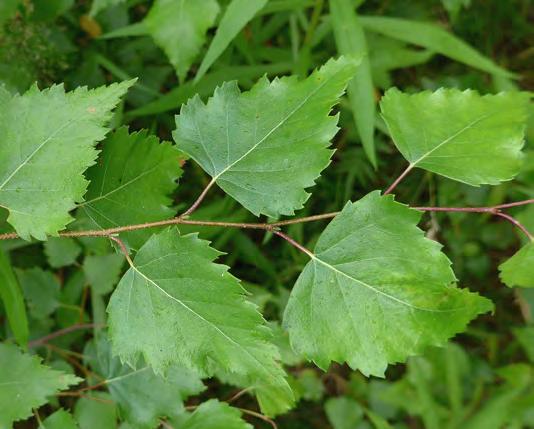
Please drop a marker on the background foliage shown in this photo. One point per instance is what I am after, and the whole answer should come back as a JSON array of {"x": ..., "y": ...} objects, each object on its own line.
[{"x": 482, "y": 379}]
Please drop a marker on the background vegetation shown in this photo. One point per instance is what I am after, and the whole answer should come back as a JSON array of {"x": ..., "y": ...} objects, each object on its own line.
[{"x": 483, "y": 379}]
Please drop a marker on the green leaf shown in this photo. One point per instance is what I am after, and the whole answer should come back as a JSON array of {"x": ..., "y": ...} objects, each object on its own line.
[
  {"x": 25, "y": 384},
  {"x": 13, "y": 300},
  {"x": 236, "y": 16},
  {"x": 390, "y": 54},
  {"x": 47, "y": 141},
  {"x": 179, "y": 28},
  {"x": 142, "y": 396},
  {"x": 41, "y": 290},
  {"x": 459, "y": 134},
  {"x": 103, "y": 271},
  {"x": 49, "y": 10},
  {"x": 99, "y": 5},
  {"x": 434, "y": 38},
  {"x": 376, "y": 291},
  {"x": 253, "y": 144},
  {"x": 350, "y": 39},
  {"x": 175, "y": 306},
  {"x": 61, "y": 251},
  {"x": 518, "y": 271},
  {"x": 8, "y": 8},
  {"x": 61, "y": 419},
  {"x": 131, "y": 184},
  {"x": 96, "y": 410},
  {"x": 343, "y": 412},
  {"x": 213, "y": 414},
  {"x": 525, "y": 337}
]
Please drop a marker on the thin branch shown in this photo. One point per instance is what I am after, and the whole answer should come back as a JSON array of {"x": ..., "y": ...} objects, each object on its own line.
[
  {"x": 244, "y": 411},
  {"x": 399, "y": 179},
  {"x": 515, "y": 222},
  {"x": 494, "y": 210},
  {"x": 304, "y": 219},
  {"x": 514, "y": 204},
  {"x": 242, "y": 225},
  {"x": 199, "y": 199},
  {"x": 123, "y": 248},
  {"x": 259, "y": 416},
  {"x": 43, "y": 340},
  {"x": 294, "y": 243}
]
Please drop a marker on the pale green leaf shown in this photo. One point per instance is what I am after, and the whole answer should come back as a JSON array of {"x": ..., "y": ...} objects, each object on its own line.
[
  {"x": 236, "y": 16},
  {"x": 25, "y": 384},
  {"x": 376, "y": 291},
  {"x": 343, "y": 412},
  {"x": 61, "y": 419},
  {"x": 213, "y": 414},
  {"x": 253, "y": 144},
  {"x": 103, "y": 271},
  {"x": 142, "y": 396},
  {"x": 61, "y": 251},
  {"x": 47, "y": 141},
  {"x": 96, "y": 410},
  {"x": 179, "y": 28},
  {"x": 175, "y": 306},
  {"x": 518, "y": 271},
  {"x": 459, "y": 134},
  {"x": 99, "y": 5},
  {"x": 13, "y": 300},
  {"x": 131, "y": 184},
  {"x": 350, "y": 39},
  {"x": 434, "y": 38},
  {"x": 41, "y": 290}
]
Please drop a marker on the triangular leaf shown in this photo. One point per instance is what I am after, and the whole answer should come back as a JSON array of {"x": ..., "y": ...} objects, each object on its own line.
[
  {"x": 179, "y": 28},
  {"x": 47, "y": 141},
  {"x": 25, "y": 384},
  {"x": 459, "y": 134},
  {"x": 131, "y": 184},
  {"x": 264, "y": 146},
  {"x": 175, "y": 306},
  {"x": 519, "y": 269},
  {"x": 376, "y": 291}
]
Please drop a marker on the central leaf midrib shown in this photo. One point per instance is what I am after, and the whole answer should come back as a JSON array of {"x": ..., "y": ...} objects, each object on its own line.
[
  {"x": 378, "y": 291},
  {"x": 282, "y": 122},
  {"x": 212, "y": 325},
  {"x": 29, "y": 157},
  {"x": 451, "y": 138}
]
